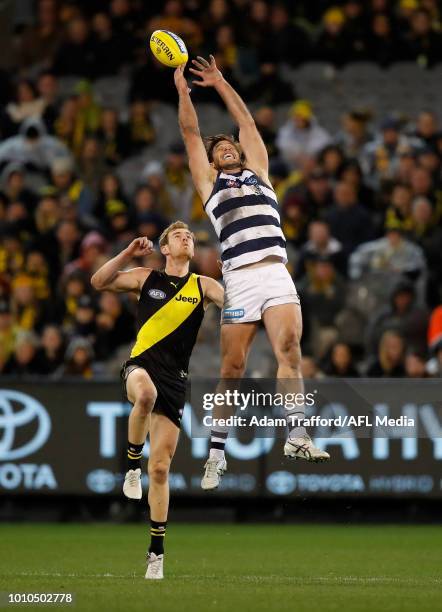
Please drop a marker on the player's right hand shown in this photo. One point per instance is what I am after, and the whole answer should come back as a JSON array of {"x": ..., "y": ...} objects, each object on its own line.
[
  {"x": 140, "y": 247},
  {"x": 180, "y": 81}
]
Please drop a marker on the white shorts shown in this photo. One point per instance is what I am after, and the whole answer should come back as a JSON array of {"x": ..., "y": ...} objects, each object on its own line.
[{"x": 250, "y": 291}]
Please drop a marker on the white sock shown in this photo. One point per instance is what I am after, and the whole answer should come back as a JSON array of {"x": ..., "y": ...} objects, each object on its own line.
[{"x": 216, "y": 453}]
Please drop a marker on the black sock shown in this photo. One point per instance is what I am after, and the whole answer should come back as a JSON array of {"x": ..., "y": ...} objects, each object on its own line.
[
  {"x": 218, "y": 440},
  {"x": 134, "y": 454},
  {"x": 157, "y": 533}
]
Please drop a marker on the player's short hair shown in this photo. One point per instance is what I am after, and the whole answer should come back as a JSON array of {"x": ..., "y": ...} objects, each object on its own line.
[
  {"x": 164, "y": 238},
  {"x": 211, "y": 141}
]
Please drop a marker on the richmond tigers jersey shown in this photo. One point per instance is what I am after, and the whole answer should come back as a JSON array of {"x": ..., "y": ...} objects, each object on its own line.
[{"x": 170, "y": 312}]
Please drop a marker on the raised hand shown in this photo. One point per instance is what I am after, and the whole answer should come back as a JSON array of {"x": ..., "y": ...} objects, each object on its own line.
[
  {"x": 140, "y": 247},
  {"x": 180, "y": 81},
  {"x": 208, "y": 72}
]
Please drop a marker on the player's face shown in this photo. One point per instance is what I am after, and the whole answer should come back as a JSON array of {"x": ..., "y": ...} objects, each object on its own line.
[
  {"x": 180, "y": 243},
  {"x": 226, "y": 156}
]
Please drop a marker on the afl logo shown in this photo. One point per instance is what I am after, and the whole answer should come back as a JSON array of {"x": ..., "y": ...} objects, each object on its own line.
[{"x": 157, "y": 294}]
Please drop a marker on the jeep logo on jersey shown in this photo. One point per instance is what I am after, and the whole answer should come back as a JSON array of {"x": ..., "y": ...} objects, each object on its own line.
[
  {"x": 157, "y": 294},
  {"x": 183, "y": 298}
]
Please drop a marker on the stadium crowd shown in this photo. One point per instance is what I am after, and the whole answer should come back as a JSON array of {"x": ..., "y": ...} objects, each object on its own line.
[{"x": 361, "y": 206}]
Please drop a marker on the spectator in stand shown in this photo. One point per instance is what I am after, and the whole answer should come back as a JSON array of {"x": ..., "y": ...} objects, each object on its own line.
[
  {"x": 349, "y": 221},
  {"x": 76, "y": 55},
  {"x": 380, "y": 157},
  {"x": 423, "y": 44},
  {"x": 340, "y": 362},
  {"x": 114, "y": 137},
  {"x": 14, "y": 188},
  {"x": 319, "y": 244},
  {"x": 51, "y": 351},
  {"x": 322, "y": 293},
  {"x": 331, "y": 159},
  {"x": 111, "y": 190},
  {"x": 115, "y": 326},
  {"x": 26, "y": 105},
  {"x": 314, "y": 192},
  {"x": 427, "y": 129},
  {"x": 217, "y": 14},
  {"x": 301, "y": 135},
  {"x": 70, "y": 187},
  {"x": 333, "y": 45},
  {"x": 265, "y": 122},
  {"x": 270, "y": 88},
  {"x": 354, "y": 135},
  {"x": 109, "y": 55},
  {"x": 66, "y": 125},
  {"x": 8, "y": 332},
  {"x": 85, "y": 325},
  {"x": 285, "y": 41},
  {"x": 390, "y": 357},
  {"x": 403, "y": 315},
  {"x": 434, "y": 337},
  {"x": 256, "y": 27},
  {"x": 383, "y": 46},
  {"x": 24, "y": 361},
  {"x": 415, "y": 364},
  {"x": 33, "y": 147},
  {"x": 78, "y": 360},
  {"x": 140, "y": 127},
  {"x": 392, "y": 255},
  {"x": 149, "y": 221},
  {"x": 172, "y": 19},
  {"x": 39, "y": 42},
  {"x": 28, "y": 312},
  {"x": 47, "y": 87},
  {"x": 92, "y": 254},
  {"x": 309, "y": 368},
  {"x": 356, "y": 29},
  {"x": 398, "y": 214},
  {"x": 351, "y": 172},
  {"x": 91, "y": 164}
]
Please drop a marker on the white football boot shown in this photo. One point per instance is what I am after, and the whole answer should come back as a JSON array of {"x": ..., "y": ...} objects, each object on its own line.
[
  {"x": 154, "y": 567},
  {"x": 303, "y": 448},
  {"x": 214, "y": 469},
  {"x": 132, "y": 484}
]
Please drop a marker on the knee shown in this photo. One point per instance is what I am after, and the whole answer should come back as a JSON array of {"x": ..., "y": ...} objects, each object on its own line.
[
  {"x": 288, "y": 350},
  {"x": 159, "y": 471},
  {"x": 233, "y": 366},
  {"x": 146, "y": 398}
]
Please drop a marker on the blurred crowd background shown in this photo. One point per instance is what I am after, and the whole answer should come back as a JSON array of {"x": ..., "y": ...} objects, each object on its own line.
[{"x": 346, "y": 96}]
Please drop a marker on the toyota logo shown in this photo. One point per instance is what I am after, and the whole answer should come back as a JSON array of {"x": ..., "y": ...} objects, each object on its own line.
[
  {"x": 281, "y": 483},
  {"x": 10, "y": 420}
]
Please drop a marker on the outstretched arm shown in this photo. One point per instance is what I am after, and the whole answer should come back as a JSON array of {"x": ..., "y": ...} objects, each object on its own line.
[
  {"x": 249, "y": 136},
  {"x": 202, "y": 173},
  {"x": 110, "y": 277},
  {"x": 213, "y": 291}
]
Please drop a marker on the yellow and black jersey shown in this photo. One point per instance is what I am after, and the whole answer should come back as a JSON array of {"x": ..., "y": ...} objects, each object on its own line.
[{"x": 170, "y": 312}]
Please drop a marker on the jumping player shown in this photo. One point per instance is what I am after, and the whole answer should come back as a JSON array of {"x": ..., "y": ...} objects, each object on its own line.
[
  {"x": 171, "y": 307},
  {"x": 232, "y": 180}
]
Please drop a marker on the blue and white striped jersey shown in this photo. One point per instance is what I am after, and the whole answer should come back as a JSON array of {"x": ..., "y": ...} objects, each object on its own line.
[{"x": 244, "y": 213}]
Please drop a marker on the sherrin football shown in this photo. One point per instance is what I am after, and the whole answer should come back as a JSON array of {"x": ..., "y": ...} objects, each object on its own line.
[{"x": 168, "y": 48}]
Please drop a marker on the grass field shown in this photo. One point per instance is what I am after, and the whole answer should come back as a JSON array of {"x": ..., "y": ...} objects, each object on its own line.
[{"x": 229, "y": 567}]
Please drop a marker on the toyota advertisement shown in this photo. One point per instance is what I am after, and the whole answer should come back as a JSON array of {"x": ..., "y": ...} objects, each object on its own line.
[{"x": 385, "y": 439}]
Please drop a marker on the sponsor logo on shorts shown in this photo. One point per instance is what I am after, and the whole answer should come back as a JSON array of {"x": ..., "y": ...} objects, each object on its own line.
[
  {"x": 233, "y": 313},
  {"x": 183, "y": 298},
  {"x": 157, "y": 294}
]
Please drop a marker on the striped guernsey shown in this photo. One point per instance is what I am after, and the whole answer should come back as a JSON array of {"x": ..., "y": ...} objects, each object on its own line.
[{"x": 244, "y": 213}]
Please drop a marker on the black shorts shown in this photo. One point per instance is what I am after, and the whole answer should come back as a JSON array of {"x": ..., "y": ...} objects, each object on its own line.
[{"x": 171, "y": 391}]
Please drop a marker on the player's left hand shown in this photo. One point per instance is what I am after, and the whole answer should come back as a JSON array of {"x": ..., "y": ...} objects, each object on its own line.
[{"x": 208, "y": 72}]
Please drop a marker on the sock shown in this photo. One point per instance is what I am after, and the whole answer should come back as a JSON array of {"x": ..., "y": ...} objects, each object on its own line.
[
  {"x": 294, "y": 417},
  {"x": 157, "y": 533},
  {"x": 134, "y": 454},
  {"x": 218, "y": 441}
]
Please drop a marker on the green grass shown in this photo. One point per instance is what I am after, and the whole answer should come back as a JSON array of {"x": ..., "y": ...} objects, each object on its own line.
[{"x": 231, "y": 568}]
